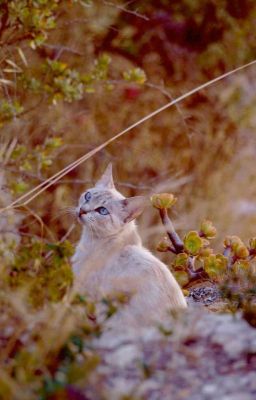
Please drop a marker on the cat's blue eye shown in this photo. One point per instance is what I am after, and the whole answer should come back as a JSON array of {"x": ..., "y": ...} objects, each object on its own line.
[
  {"x": 102, "y": 210},
  {"x": 87, "y": 196}
]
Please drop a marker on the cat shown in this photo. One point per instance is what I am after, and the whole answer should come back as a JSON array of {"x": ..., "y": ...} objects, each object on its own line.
[{"x": 110, "y": 258}]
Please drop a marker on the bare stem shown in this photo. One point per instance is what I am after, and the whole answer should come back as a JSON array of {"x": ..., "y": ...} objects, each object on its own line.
[
  {"x": 178, "y": 247},
  {"x": 174, "y": 237}
]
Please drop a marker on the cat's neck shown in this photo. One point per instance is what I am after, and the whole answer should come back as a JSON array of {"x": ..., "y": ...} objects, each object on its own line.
[
  {"x": 128, "y": 235},
  {"x": 90, "y": 246}
]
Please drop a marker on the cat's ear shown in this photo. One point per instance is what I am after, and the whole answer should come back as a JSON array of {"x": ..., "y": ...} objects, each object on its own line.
[
  {"x": 106, "y": 179},
  {"x": 132, "y": 207}
]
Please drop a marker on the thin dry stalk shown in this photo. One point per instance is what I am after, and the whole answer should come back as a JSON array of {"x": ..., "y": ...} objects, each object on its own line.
[{"x": 53, "y": 179}]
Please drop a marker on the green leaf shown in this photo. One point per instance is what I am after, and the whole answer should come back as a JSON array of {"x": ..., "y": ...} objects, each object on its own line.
[
  {"x": 215, "y": 265},
  {"x": 193, "y": 243},
  {"x": 181, "y": 277},
  {"x": 181, "y": 260}
]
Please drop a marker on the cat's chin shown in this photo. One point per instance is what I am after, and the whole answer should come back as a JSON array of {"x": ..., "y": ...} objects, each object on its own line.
[{"x": 82, "y": 221}]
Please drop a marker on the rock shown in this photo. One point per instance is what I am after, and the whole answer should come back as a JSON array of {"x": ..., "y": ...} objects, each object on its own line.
[{"x": 207, "y": 357}]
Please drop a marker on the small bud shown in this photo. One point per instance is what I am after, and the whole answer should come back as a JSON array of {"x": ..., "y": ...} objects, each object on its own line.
[
  {"x": 237, "y": 246},
  {"x": 207, "y": 229},
  {"x": 163, "y": 245},
  {"x": 240, "y": 251},
  {"x": 163, "y": 200},
  {"x": 231, "y": 240}
]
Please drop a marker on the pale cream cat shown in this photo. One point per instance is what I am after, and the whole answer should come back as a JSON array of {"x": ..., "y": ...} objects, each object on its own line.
[{"x": 110, "y": 258}]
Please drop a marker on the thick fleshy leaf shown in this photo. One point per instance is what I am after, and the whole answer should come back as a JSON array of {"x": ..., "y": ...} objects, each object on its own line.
[
  {"x": 215, "y": 265},
  {"x": 181, "y": 260},
  {"x": 181, "y": 277},
  {"x": 163, "y": 200},
  {"x": 193, "y": 243}
]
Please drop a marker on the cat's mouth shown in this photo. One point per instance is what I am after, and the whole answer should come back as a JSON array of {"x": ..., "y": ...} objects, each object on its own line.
[{"x": 80, "y": 213}]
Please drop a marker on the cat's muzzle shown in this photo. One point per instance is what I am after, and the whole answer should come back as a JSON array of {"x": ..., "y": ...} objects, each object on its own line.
[{"x": 81, "y": 212}]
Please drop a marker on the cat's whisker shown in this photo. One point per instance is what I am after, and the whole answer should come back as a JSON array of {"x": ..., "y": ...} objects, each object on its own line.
[
  {"x": 64, "y": 212},
  {"x": 70, "y": 209}
]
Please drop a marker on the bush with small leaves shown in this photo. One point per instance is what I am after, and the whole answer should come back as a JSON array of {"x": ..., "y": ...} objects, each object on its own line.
[{"x": 234, "y": 270}]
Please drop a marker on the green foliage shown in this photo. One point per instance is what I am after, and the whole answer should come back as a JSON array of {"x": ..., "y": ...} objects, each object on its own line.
[
  {"x": 181, "y": 277},
  {"x": 27, "y": 161},
  {"x": 193, "y": 243},
  {"x": 43, "y": 269},
  {"x": 216, "y": 266},
  {"x": 33, "y": 19},
  {"x": 207, "y": 229},
  {"x": 195, "y": 258}
]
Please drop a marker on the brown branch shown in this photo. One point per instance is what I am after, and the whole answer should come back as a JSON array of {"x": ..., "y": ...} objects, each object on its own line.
[
  {"x": 178, "y": 247},
  {"x": 173, "y": 236},
  {"x": 193, "y": 274}
]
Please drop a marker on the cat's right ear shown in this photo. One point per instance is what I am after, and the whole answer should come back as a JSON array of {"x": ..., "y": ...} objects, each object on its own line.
[
  {"x": 106, "y": 180},
  {"x": 132, "y": 207}
]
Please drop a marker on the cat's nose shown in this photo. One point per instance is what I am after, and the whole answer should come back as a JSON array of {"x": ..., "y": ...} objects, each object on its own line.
[{"x": 81, "y": 212}]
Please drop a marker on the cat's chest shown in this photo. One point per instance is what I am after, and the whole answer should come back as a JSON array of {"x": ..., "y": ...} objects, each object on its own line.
[
  {"x": 101, "y": 277},
  {"x": 100, "y": 283}
]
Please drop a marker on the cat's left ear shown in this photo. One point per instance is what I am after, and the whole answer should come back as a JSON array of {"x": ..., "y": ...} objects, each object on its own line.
[
  {"x": 106, "y": 179},
  {"x": 132, "y": 207}
]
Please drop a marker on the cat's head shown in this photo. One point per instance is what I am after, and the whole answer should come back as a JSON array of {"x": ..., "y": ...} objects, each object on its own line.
[{"x": 104, "y": 211}]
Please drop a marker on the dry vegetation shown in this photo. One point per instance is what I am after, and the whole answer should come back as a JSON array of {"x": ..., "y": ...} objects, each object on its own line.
[{"x": 72, "y": 75}]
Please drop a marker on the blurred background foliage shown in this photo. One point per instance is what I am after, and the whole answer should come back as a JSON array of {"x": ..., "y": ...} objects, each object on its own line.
[{"x": 72, "y": 74}]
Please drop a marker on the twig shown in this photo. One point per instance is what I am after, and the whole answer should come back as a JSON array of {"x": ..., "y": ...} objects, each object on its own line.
[
  {"x": 122, "y": 8},
  {"x": 178, "y": 247},
  {"x": 62, "y": 49},
  {"x": 167, "y": 93},
  {"x": 174, "y": 237}
]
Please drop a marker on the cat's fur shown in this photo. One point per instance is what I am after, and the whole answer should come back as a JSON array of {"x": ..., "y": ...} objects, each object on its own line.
[{"x": 110, "y": 258}]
